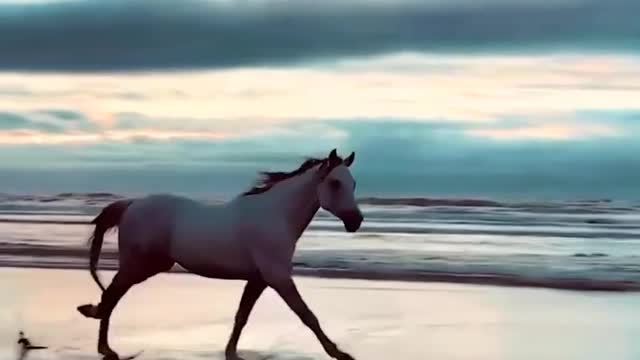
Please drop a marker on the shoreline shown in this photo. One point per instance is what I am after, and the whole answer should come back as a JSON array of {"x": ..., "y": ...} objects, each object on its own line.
[
  {"x": 583, "y": 246},
  {"x": 55, "y": 257},
  {"x": 573, "y": 285}
]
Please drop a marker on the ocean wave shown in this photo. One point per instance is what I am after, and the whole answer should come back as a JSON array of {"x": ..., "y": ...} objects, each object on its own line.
[
  {"x": 584, "y": 284},
  {"x": 581, "y": 284},
  {"x": 103, "y": 197},
  {"x": 558, "y": 232},
  {"x": 90, "y": 198},
  {"x": 46, "y": 221},
  {"x": 479, "y": 221},
  {"x": 376, "y": 265},
  {"x": 428, "y": 202},
  {"x": 563, "y": 244},
  {"x": 591, "y": 255},
  {"x": 433, "y": 229}
]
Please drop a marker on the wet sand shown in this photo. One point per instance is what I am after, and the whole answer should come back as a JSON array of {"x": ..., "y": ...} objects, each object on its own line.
[{"x": 177, "y": 316}]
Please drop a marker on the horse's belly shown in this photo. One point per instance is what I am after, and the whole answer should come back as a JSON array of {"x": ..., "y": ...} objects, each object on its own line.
[
  {"x": 215, "y": 259},
  {"x": 207, "y": 243},
  {"x": 220, "y": 271}
]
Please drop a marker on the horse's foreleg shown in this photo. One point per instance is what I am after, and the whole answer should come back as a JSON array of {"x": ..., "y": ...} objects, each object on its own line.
[
  {"x": 289, "y": 293},
  {"x": 252, "y": 291}
]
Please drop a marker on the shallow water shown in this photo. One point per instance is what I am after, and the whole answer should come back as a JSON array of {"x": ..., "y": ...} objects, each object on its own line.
[{"x": 561, "y": 244}]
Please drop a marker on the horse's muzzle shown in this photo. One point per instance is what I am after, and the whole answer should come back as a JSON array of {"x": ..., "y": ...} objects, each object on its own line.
[{"x": 352, "y": 220}]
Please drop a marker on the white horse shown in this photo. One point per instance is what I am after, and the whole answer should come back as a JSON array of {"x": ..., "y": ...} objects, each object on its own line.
[{"x": 252, "y": 238}]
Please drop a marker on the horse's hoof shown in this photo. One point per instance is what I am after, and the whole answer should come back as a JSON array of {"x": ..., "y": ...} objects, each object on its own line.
[
  {"x": 88, "y": 310},
  {"x": 344, "y": 356},
  {"x": 107, "y": 353},
  {"x": 232, "y": 356}
]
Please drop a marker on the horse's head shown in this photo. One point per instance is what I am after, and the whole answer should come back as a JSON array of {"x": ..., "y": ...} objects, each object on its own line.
[{"x": 336, "y": 191}]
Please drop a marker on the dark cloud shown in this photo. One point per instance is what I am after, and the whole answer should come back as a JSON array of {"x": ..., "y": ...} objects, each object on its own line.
[
  {"x": 156, "y": 34},
  {"x": 65, "y": 115},
  {"x": 412, "y": 158},
  {"x": 132, "y": 121},
  {"x": 48, "y": 121},
  {"x": 10, "y": 121},
  {"x": 392, "y": 158},
  {"x": 127, "y": 180}
]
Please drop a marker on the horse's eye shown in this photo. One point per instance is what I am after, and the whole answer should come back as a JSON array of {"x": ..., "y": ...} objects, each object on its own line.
[{"x": 334, "y": 184}]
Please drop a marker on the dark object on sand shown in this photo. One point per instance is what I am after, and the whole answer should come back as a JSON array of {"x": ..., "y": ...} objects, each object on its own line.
[{"x": 25, "y": 346}]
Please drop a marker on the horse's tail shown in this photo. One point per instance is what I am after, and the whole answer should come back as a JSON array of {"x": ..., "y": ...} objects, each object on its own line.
[{"x": 108, "y": 218}]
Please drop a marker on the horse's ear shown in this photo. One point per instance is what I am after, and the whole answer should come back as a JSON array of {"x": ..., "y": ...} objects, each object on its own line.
[
  {"x": 333, "y": 154},
  {"x": 349, "y": 160}
]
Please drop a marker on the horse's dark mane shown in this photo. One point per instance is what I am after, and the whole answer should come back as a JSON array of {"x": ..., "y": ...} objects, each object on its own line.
[{"x": 269, "y": 179}]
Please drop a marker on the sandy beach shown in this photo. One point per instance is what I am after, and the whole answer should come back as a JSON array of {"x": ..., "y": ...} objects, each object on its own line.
[{"x": 177, "y": 316}]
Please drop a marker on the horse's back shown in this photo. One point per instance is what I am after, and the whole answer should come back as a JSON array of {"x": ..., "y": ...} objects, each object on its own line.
[
  {"x": 205, "y": 239},
  {"x": 148, "y": 223}
]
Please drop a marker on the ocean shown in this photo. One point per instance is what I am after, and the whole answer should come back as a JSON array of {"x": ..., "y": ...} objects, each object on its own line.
[{"x": 580, "y": 245}]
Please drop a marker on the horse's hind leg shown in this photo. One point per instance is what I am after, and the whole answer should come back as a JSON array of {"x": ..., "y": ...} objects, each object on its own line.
[
  {"x": 119, "y": 286},
  {"x": 128, "y": 275}
]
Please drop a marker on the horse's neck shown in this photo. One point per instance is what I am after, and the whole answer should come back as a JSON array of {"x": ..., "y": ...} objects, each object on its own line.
[{"x": 297, "y": 200}]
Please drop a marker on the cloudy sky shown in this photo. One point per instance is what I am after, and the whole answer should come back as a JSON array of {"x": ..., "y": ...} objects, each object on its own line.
[{"x": 491, "y": 98}]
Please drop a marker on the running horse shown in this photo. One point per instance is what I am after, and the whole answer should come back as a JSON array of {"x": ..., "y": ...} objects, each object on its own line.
[{"x": 252, "y": 237}]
